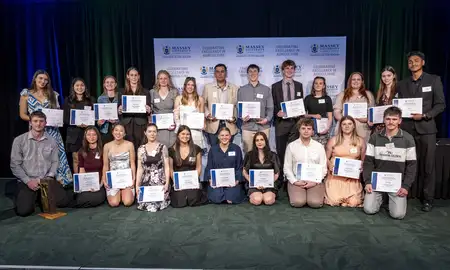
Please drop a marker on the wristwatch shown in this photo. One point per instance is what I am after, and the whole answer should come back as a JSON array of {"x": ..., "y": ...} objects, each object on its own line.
[{"x": 425, "y": 116}]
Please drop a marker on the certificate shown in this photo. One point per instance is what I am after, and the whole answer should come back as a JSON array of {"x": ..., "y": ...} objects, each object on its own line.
[
  {"x": 193, "y": 120},
  {"x": 82, "y": 117},
  {"x": 163, "y": 120},
  {"x": 309, "y": 172},
  {"x": 376, "y": 114},
  {"x": 223, "y": 177},
  {"x": 86, "y": 182},
  {"x": 408, "y": 106},
  {"x": 251, "y": 109},
  {"x": 356, "y": 110},
  {"x": 347, "y": 167},
  {"x": 186, "y": 180},
  {"x": 222, "y": 111},
  {"x": 105, "y": 111},
  {"x": 151, "y": 194},
  {"x": 55, "y": 118},
  {"x": 262, "y": 178},
  {"x": 134, "y": 104},
  {"x": 386, "y": 182},
  {"x": 293, "y": 108},
  {"x": 119, "y": 178},
  {"x": 320, "y": 125}
]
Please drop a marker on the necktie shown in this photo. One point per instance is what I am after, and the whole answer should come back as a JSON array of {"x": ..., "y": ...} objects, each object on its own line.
[{"x": 288, "y": 88}]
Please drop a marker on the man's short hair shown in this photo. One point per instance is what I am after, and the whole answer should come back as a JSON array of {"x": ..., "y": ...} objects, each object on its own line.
[
  {"x": 38, "y": 114},
  {"x": 416, "y": 53},
  {"x": 288, "y": 63},
  {"x": 220, "y": 65},
  {"x": 308, "y": 122},
  {"x": 252, "y": 66},
  {"x": 393, "y": 111}
]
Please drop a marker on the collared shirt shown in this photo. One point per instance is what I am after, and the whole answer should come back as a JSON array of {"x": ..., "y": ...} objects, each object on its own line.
[
  {"x": 415, "y": 85},
  {"x": 34, "y": 159},
  {"x": 223, "y": 93},
  {"x": 218, "y": 159},
  {"x": 285, "y": 89},
  {"x": 262, "y": 94}
]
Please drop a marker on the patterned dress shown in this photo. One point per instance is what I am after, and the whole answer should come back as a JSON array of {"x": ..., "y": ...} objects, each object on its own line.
[
  {"x": 63, "y": 174},
  {"x": 154, "y": 175},
  {"x": 118, "y": 161}
]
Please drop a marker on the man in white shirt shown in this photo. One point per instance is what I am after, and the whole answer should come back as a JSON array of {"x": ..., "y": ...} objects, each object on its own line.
[{"x": 306, "y": 151}]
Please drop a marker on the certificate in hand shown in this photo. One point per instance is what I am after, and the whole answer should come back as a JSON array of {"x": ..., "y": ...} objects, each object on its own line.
[
  {"x": 222, "y": 111},
  {"x": 376, "y": 114},
  {"x": 119, "y": 178},
  {"x": 105, "y": 111},
  {"x": 293, "y": 108},
  {"x": 82, "y": 117},
  {"x": 55, "y": 117},
  {"x": 193, "y": 120},
  {"x": 223, "y": 177},
  {"x": 163, "y": 120},
  {"x": 309, "y": 172},
  {"x": 320, "y": 125},
  {"x": 251, "y": 109},
  {"x": 134, "y": 104},
  {"x": 408, "y": 106},
  {"x": 151, "y": 194},
  {"x": 186, "y": 180},
  {"x": 262, "y": 178},
  {"x": 346, "y": 167},
  {"x": 86, "y": 182},
  {"x": 356, "y": 110},
  {"x": 386, "y": 182}
]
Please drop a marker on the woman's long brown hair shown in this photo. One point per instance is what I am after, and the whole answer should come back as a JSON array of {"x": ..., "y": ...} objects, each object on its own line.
[
  {"x": 383, "y": 86},
  {"x": 48, "y": 92},
  {"x": 348, "y": 91}
]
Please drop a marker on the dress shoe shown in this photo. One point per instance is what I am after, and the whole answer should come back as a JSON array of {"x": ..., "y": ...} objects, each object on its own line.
[{"x": 427, "y": 206}]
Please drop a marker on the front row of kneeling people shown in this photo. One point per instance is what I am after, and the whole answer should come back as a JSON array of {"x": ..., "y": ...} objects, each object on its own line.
[{"x": 34, "y": 156}]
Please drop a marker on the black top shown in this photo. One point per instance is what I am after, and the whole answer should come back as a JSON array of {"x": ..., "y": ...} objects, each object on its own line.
[
  {"x": 75, "y": 134},
  {"x": 93, "y": 162},
  {"x": 322, "y": 105},
  {"x": 273, "y": 163},
  {"x": 139, "y": 118},
  {"x": 187, "y": 164}
]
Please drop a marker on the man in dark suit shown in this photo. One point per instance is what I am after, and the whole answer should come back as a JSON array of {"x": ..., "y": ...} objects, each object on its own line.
[
  {"x": 285, "y": 90},
  {"x": 422, "y": 126}
]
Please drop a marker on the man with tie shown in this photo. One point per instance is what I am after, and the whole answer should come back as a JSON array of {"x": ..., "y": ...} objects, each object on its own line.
[{"x": 423, "y": 126}]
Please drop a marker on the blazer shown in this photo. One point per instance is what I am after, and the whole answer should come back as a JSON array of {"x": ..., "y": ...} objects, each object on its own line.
[
  {"x": 140, "y": 119},
  {"x": 430, "y": 89},
  {"x": 283, "y": 126}
]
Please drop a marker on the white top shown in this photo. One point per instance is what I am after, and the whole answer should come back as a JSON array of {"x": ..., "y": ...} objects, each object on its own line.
[{"x": 296, "y": 151}]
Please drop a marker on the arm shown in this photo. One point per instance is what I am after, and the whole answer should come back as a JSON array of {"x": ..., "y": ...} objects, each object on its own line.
[
  {"x": 438, "y": 99},
  {"x": 363, "y": 148},
  {"x": 411, "y": 165},
  {"x": 275, "y": 103},
  {"x": 105, "y": 164},
  {"x": 323, "y": 161},
  {"x": 198, "y": 164},
  {"x": 288, "y": 161},
  {"x": 338, "y": 105},
  {"x": 269, "y": 108},
  {"x": 66, "y": 113},
  {"x": 246, "y": 167},
  {"x": 205, "y": 102},
  {"x": 55, "y": 161},
  {"x": 132, "y": 162},
  {"x": 201, "y": 105},
  {"x": 209, "y": 166},
  {"x": 329, "y": 153},
  {"x": 17, "y": 161},
  {"x": 369, "y": 160},
  {"x": 170, "y": 167},
  {"x": 176, "y": 109},
  {"x": 277, "y": 166},
  {"x": 139, "y": 169},
  {"x": 238, "y": 165},
  {"x": 81, "y": 163},
  {"x": 167, "y": 166},
  {"x": 329, "y": 111},
  {"x": 23, "y": 108}
]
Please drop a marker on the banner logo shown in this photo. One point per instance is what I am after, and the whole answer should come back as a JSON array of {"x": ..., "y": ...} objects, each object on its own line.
[
  {"x": 250, "y": 50},
  {"x": 332, "y": 49}
]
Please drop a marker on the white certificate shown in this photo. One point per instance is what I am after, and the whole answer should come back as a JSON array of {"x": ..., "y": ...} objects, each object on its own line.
[
  {"x": 386, "y": 182},
  {"x": 82, "y": 117},
  {"x": 262, "y": 178},
  {"x": 408, "y": 106},
  {"x": 106, "y": 111},
  {"x": 86, "y": 182},
  {"x": 163, "y": 120},
  {"x": 356, "y": 110},
  {"x": 134, "y": 104},
  {"x": 55, "y": 117},
  {"x": 251, "y": 109},
  {"x": 347, "y": 167},
  {"x": 320, "y": 125},
  {"x": 119, "y": 178},
  {"x": 222, "y": 111},
  {"x": 186, "y": 180},
  {"x": 193, "y": 120},
  {"x": 376, "y": 114},
  {"x": 309, "y": 172},
  {"x": 223, "y": 177},
  {"x": 151, "y": 194},
  {"x": 293, "y": 108}
]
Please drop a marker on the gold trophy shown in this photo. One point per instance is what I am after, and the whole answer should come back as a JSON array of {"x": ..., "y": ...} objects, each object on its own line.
[{"x": 48, "y": 200}]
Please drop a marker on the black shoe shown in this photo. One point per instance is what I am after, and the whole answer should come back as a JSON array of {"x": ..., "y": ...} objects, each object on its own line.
[{"x": 426, "y": 207}]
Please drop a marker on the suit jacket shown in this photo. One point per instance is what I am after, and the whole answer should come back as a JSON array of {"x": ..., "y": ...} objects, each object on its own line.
[
  {"x": 430, "y": 89},
  {"x": 140, "y": 119},
  {"x": 283, "y": 126}
]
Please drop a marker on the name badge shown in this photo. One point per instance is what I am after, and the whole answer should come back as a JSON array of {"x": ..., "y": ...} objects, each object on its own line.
[
  {"x": 87, "y": 108},
  {"x": 191, "y": 159},
  {"x": 299, "y": 94},
  {"x": 157, "y": 100},
  {"x": 214, "y": 94},
  {"x": 231, "y": 153},
  {"x": 390, "y": 145},
  {"x": 97, "y": 155},
  {"x": 259, "y": 95},
  {"x": 353, "y": 150},
  {"x": 426, "y": 89},
  {"x": 321, "y": 101}
]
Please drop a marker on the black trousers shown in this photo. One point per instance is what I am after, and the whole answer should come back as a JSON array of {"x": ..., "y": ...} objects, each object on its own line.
[
  {"x": 89, "y": 199},
  {"x": 426, "y": 150},
  {"x": 135, "y": 133},
  {"x": 281, "y": 142}
]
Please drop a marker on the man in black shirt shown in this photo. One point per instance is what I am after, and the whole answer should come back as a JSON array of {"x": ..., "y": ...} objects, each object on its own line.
[{"x": 422, "y": 126}]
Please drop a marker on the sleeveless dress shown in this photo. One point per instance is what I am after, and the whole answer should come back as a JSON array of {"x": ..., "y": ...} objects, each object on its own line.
[
  {"x": 118, "y": 161},
  {"x": 154, "y": 175},
  {"x": 63, "y": 174},
  {"x": 197, "y": 135}
]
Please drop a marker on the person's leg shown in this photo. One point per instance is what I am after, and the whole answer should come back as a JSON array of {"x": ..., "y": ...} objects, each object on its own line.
[
  {"x": 234, "y": 194},
  {"x": 281, "y": 143},
  {"x": 64, "y": 198},
  {"x": 428, "y": 150},
  {"x": 315, "y": 196},
  {"x": 247, "y": 140},
  {"x": 90, "y": 199},
  {"x": 127, "y": 195},
  {"x": 25, "y": 200},
  {"x": 113, "y": 197},
  {"x": 297, "y": 195},
  {"x": 75, "y": 162},
  {"x": 269, "y": 198},
  {"x": 256, "y": 198},
  {"x": 397, "y": 206},
  {"x": 372, "y": 202},
  {"x": 216, "y": 195}
]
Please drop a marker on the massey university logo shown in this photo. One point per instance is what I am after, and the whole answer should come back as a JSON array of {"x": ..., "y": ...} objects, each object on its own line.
[
  {"x": 206, "y": 70},
  {"x": 314, "y": 48},
  {"x": 166, "y": 50},
  {"x": 240, "y": 49},
  {"x": 276, "y": 70}
]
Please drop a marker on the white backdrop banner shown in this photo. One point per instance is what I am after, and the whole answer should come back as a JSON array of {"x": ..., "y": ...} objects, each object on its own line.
[{"x": 314, "y": 56}]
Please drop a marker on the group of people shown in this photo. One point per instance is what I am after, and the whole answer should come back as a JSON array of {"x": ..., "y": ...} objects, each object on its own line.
[{"x": 154, "y": 155}]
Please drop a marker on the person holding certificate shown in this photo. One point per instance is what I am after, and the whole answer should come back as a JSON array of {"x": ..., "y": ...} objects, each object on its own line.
[
  {"x": 184, "y": 155},
  {"x": 40, "y": 96},
  {"x": 110, "y": 95},
  {"x": 119, "y": 155},
  {"x": 390, "y": 152},
  {"x": 305, "y": 150},
  {"x": 78, "y": 99},
  {"x": 254, "y": 91},
  {"x": 423, "y": 126},
  {"x": 341, "y": 190},
  {"x": 261, "y": 158},
  {"x": 355, "y": 93},
  {"x": 319, "y": 107},
  {"x": 162, "y": 99},
  {"x": 153, "y": 170},
  {"x": 134, "y": 123},
  {"x": 226, "y": 155}
]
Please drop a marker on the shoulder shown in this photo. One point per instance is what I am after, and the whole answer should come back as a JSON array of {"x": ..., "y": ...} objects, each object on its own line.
[
  {"x": 56, "y": 94},
  {"x": 66, "y": 100},
  {"x": 19, "y": 139},
  {"x": 51, "y": 140},
  {"x": 307, "y": 98},
  {"x": 178, "y": 98},
  {"x": 197, "y": 149},
  {"x": 277, "y": 84},
  {"x": 201, "y": 99},
  {"x": 233, "y": 86},
  {"x": 369, "y": 93},
  {"x": 265, "y": 87},
  {"x": 298, "y": 83},
  {"x": 141, "y": 150},
  {"x": 408, "y": 137},
  {"x": 25, "y": 92},
  {"x": 328, "y": 98},
  {"x": 316, "y": 144}
]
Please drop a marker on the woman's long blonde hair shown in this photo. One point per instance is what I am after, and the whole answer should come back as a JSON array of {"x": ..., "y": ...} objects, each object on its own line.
[
  {"x": 185, "y": 95},
  {"x": 340, "y": 135},
  {"x": 170, "y": 84}
]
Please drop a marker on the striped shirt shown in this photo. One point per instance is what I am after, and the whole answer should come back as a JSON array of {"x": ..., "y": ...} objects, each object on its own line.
[{"x": 394, "y": 155}]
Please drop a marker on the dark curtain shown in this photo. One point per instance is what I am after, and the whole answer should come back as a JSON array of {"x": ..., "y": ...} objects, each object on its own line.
[{"x": 92, "y": 39}]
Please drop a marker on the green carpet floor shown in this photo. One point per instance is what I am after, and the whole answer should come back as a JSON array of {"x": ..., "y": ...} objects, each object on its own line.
[{"x": 232, "y": 237}]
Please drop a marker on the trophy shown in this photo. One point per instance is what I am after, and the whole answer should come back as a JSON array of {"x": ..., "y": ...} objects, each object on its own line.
[{"x": 48, "y": 200}]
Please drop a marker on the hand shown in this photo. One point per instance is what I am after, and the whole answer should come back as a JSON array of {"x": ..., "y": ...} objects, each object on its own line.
[
  {"x": 300, "y": 183},
  {"x": 416, "y": 116},
  {"x": 232, "y": 120},
  {"x": 245, "y": 119},
  {"x": 362, "y": 120},
  {"x": 100, "y": 122},
  {"x": 148, "y": 109},
  {"x": 33, "y": 184},
  {"x": 309, "y": 184},
  {"x": 260, "y": 188},
  {"x": 330, "y": 165},
  {"x": 137, "y": 191},
  {"x": 82, "y": 126},
  {"x": 172, "y": 127},
  {"x": 281, "y": 114},
  {"x": 211, "y": 118},
  {"x": 120, "y": 109},
  {"x": 166, "y": 187},
  {"x": 317, "y": 116},
  {"x": 105, "y": 184},
  {"x": 235, "y": 183},
  {"x": 368, "y": 188},
  {"x": 324, "y": 132},
  {"x": 370, "y": 124},
  {"x": 262, "y": 121},
  {"x": 402, "y": 192},
  {"x": 210, "y": 184}
]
